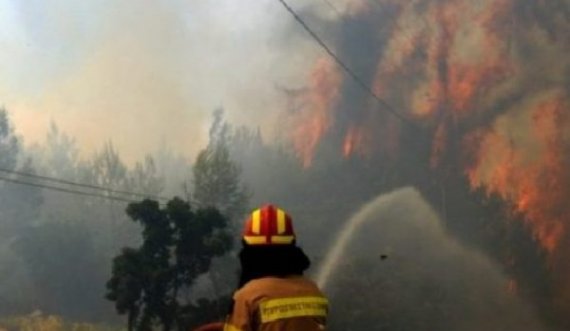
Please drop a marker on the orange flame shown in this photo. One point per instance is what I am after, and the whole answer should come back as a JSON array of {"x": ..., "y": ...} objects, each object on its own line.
[
  {"x": 315, "y": 117},
  {"x": 453, "y": 66},
  {"x": 537, "y": 186},
  {"x": 353, "y": 141},
  {"x": 535, "y": 180}
]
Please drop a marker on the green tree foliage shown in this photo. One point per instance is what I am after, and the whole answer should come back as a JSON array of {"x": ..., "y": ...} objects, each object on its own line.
[
  {"x": 216, "y": 176},
  {"x": 217, "y": 183},
  {"x": 148, "y": 283}
]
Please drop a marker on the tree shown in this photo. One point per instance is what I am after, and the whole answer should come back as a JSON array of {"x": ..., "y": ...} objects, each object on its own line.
[
  {"x": 178, "y": 245},
  {"x": 108, "y": 170},
  {"x": 19, "y": 204},
  {"x": 216, "y": 177},
  {"x": 217, "y": 183},
  {"x": 10, "y": 145},
  {"x": 144, "y": 178},
  {"x": 58, "y": 156},
  {"x": 19, "y": 209}
]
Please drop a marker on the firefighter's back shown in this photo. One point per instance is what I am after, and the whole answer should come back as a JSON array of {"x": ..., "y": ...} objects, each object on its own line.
[{"x": 277, "y": 304}]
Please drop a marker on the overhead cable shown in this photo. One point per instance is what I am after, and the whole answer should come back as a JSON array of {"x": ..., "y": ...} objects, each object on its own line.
[
  {"x": 65, "y": 190},
  {"x": 83, "y": 185},
  {"x": 386, "y": 106}
]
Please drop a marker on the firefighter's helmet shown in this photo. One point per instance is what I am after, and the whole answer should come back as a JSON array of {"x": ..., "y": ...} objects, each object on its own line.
[{"x": 269, "y": 225}]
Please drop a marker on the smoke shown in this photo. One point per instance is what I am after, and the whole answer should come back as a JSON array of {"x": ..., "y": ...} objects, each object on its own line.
[
  {"x": 428, "y": 280},
  {"x": 453, "y": 66},
  {"x": 485, "y": 84},
  {"x": 147, "y": 72}
]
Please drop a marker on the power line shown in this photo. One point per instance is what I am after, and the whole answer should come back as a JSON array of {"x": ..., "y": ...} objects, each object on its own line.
[
  {"x": 90, "y": 186},
  {"x": 346, "y": 68},
  {"x": 84, "y": 193},
  {"x": 65, "y": 190}
]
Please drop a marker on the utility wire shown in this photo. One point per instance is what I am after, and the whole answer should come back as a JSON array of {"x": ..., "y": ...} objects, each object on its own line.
[
  {"x": 65, "y": 190},
  {"x": 90, "y": 186},
  {"x": 346, "y": 68}
]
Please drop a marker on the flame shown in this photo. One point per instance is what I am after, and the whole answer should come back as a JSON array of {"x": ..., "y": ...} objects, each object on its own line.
[
  {"x": 534, "y": 180},
  {"x": 315, "y": 117},
  {"x": 353, "y": 141},
  {"x": 489, "y": 80},
  {"x": 536, "y": 185}
]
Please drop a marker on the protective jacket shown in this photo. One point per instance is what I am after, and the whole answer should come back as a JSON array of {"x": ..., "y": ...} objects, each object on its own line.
[{"x": 277, "y": 304}]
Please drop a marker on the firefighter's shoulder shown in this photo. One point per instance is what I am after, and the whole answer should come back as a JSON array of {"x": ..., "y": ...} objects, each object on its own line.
[{"x": 277, "y": 287}]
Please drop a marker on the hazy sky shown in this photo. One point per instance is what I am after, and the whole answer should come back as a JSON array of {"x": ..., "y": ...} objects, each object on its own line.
[{"x": 142, "y": 73}]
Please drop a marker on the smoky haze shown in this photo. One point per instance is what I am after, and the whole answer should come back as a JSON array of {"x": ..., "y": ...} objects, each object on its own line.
[{"x": 146, "y": 73}]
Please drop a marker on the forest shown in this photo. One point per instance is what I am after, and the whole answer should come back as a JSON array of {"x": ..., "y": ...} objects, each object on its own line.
[{"x": 421, "y": 149}]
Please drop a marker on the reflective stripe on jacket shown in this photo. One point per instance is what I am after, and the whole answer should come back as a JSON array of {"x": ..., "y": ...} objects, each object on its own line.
[{"x": 278, "y": 304}]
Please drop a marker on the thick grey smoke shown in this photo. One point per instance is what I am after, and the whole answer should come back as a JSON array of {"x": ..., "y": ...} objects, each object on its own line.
[
  {"x": 428, "y": 280},
  {"x": 146, "y": 72}
]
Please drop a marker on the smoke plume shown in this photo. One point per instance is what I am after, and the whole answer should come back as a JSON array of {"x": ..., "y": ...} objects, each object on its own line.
[{"x": 144, "y": 73}]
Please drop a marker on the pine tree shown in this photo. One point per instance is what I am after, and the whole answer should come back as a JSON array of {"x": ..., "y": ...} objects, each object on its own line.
[{"x": 178, "y": 246}]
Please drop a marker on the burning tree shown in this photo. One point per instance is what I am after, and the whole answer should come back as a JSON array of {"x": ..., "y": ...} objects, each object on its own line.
[{"x": 484, "y": 88}]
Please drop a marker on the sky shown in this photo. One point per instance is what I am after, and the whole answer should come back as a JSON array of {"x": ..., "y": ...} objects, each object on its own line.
[{"x": 147, "y": 73}]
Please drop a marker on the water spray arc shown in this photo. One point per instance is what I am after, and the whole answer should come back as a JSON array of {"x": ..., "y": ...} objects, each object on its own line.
[
  {"x": 346, "y": 234},
  {"x": 430, "y": 279}
]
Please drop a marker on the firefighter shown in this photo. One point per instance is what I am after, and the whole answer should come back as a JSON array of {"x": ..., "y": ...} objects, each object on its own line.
[{"x": 272, "y": 293}]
